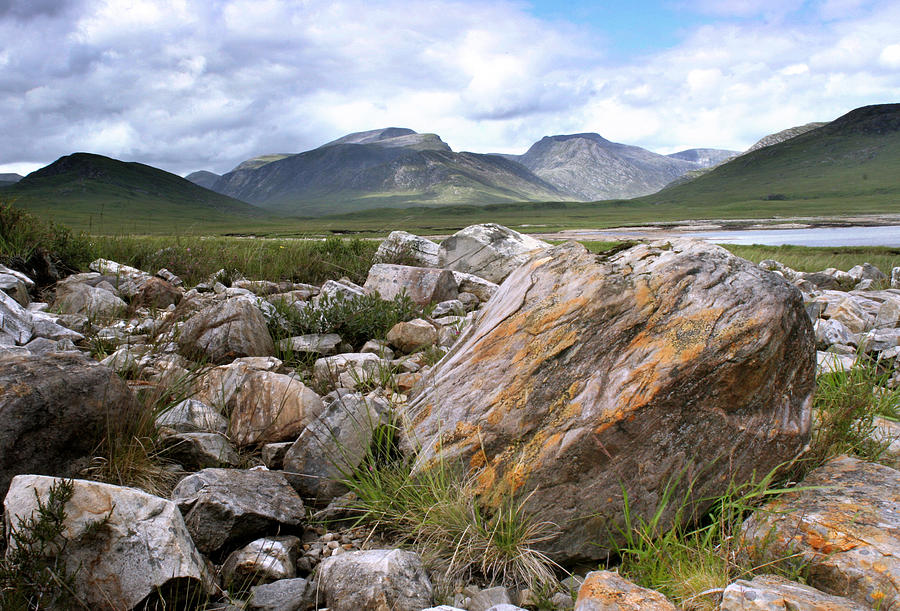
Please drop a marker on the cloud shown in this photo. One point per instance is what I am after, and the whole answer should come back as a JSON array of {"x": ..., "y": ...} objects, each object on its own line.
[{"x": 203, "y": 84}]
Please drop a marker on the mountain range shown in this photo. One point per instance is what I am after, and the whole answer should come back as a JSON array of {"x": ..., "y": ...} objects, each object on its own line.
[
  {"x": 853, "y": 163},
  {"x": 400, "y": 167}
]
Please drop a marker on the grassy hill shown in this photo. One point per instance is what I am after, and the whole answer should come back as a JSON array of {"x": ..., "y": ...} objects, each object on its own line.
[{"x": 102, "y": 195}]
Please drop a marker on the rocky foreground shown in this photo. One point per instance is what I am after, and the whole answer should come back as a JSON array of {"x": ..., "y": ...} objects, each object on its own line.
[{"x": 570, "y": 382}]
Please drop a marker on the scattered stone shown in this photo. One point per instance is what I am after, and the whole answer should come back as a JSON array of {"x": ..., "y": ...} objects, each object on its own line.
[
  {"x": 376, "y": 579},
  {"x": 223, "y": 506},
  {"x": 55, "y": 410},
  {"x": 335, "y": 443},
  {"x": 192, "y": 416},
  {"x": 41, "y": 345},
  {"x": 201, "y": 450},
  {"x": 583, "y": 371},
  {"x": 852, "y": 314},
  {"x": 15, "y": 320},
  {"x": 866, "y": 271},
  {"x": 282, "y": 595},
  {"x": 829, "y": 362},
  {"x": 379, "y": 347},
  {"x": 888, "y": 314},
  {"x": 452, "y": 307},
  {"x": 121, "y": 544},
  {"x": 404, "y": 248},
  {"x": 157, "y": 293},
  {"x": 489, "y": 251},
  {"x": 605, "y": 591},
  {"x": 265, "y": 407},
  {"x": 262, "y": 561},
  {"x": 343, "y": 288},
  {"x": 832, "y": 331},
  {"x": 347, "y": 370},
  {"x": 128, "y": 280},
  {"x": 412, "y": 335},
  {"x": 422, "y": 284},
  {"x": 482, "y": 600},
  {"x": 324, "y": 344},
  {"x": 895, "y": 278},
  {"x": 225, "y": 331},
  {"x": 273, "y": 454},
  {"x": 775, "y": 593},
  {"x": 843, "y": 521}
]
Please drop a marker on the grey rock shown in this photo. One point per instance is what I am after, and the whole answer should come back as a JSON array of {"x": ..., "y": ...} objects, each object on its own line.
[
  {"x": 273, "y": 454},
  {"x": 56, "y": 409},
  {"x": 264, "y": 406},
  {"x": 262, "y": 561},
  {"x": 482, "y": 600},
  {"x": 880, "y": 340},
  {"x": 45, "y": 325},
  {"x": 866, "y": 271},
  {"x": 474, "y": 285},
  {"x": 201, "y": 450},
  {"x": 832, "y": 331},
  {"x": 15, "y": 320},
  {"x": 40, "y": 345},
  {"x": 122, "y": 544},
  {"x": 379, "y": 347},
  {"x": 79, "y": 298},
  {"x": 375, "y": 579},
  {"x": 225, "y": 331},
  {"x": 888, "y": 314},
  {"x": 335, "y": 443},
  {"x": 489, "y": 251},
  {"x": 412, "y": 335},
  {"x": 23, "y": 278},
  {"x": 15, "y": 288},
  {"x": 895, "y": 278},
  {"x": 584, "y": 371},
  {"x": 404, "y": 248},
  {"x": 342, "y": 287},
  {"x": 192, "y": 416},
  {"x": 450, "y": 307},
  {"x": 346, "y": 370},
  {"x": 282, "y": 595},
  {"x": 223, "y": 506},
  {"x": 324, "y": 344},
  {"x": 829, "y": 362},
  {"x": 775, "y": 593},
  {"x": 423, "y": 285}
]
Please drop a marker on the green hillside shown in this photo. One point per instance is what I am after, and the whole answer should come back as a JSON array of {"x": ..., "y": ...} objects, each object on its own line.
[
  {"x": 102, "y": 195},
  {"x": 854, "y": 159}
]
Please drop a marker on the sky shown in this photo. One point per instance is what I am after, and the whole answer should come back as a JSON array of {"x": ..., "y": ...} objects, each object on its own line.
[{"x": 188, "y": 85}]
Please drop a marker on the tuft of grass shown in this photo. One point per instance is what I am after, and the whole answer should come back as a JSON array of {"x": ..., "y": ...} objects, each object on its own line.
[
  {"x": 435, "y": 511},
  {"x": 845, "y": 408},
  {"x": 691, "y": 565},
  {"x": 131, "y": 453}
]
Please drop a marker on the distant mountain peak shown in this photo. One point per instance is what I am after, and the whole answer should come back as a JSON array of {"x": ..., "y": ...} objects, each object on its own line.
[{"x": 393, "y": 137}]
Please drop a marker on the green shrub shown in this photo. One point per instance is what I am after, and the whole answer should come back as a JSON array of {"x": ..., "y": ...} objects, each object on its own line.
[
  {"x": 355, "y": 319},
  {"x": 32, "y": 571}
]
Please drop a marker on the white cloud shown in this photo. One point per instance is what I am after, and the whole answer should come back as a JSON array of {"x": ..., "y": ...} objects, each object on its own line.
[{"x": 203, "y": 84}]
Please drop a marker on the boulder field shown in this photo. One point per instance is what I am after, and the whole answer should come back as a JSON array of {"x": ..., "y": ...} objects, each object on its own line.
[{"x": 559, "y": 380}]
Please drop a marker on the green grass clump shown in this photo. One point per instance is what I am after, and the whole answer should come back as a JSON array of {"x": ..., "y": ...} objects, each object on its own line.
[
  {"x": 692, "y": 564},
  {"x": 355, "y": 319},
  {"x": 846, "y": 406},
  {"x": 435, "y": 511},
  {"x": 195, "y": 258},
  {"x": 24, "y": 236}
]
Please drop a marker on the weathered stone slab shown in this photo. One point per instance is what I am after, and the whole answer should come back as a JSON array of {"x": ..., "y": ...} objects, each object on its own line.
[
  {"x": 423, "y": 285},
  {"x": 775, "y": 593},
  {"x": 843, "y": 521},
  {"x": 584, "y": 374},
  {"x": 376, "y": 579},
  {"x": 489, "y": 251},
  {"x": 405, "y": 248},
  {"x": 607, "y": 591},
  {"x": 412, "y": 335},
  {"x": 137, "y": 543},
  {"x": 15, "y": 320},
  {"x": 226, "y": 331}
]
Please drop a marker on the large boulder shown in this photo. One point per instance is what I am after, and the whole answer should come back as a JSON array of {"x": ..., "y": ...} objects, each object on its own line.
[
  {"x": 81, "y": 298},
  {"x": 670, "y": 364},
  {"x": 423, "y": 285},
  {"x": 489, "y": 251},
  {"x": 375, "y": 579},
  {"x": 605, "y": 591},
  {"x": 120, "y": 544},
  {"x": 15, "y": 320},
  {"x": 842, "y": 521},
  {"x": 335, "y": 443},
  {"x": 224, "y": 331},
  {"x": 264, "y": 406},
  {"x": 405, "y": 248},
  {"x": 55, "y": 410},
  {"x": 775, "y": 593},
  {"x": 223, "y": 506}
]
